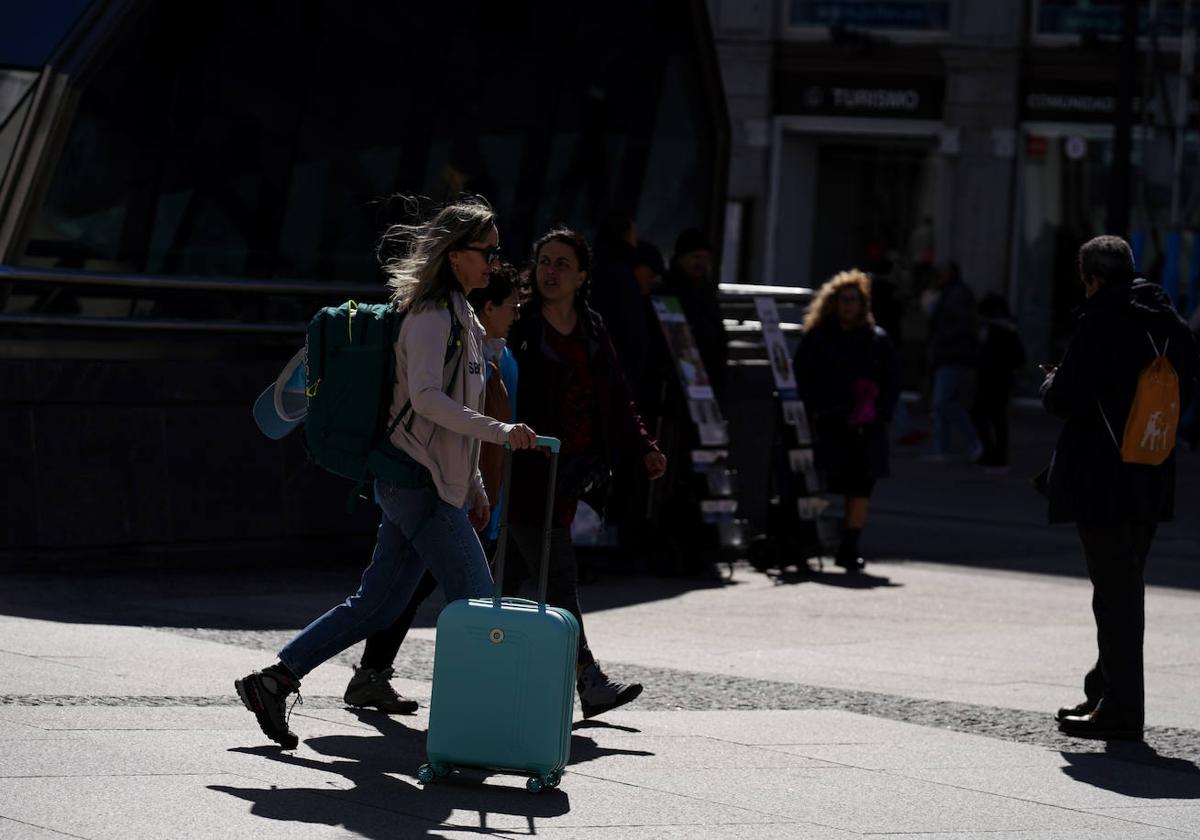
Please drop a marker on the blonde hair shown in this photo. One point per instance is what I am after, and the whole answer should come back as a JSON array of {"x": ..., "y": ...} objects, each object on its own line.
[
  {"x": 420, "y": 276},
  {"x": 824, "y": 306}
]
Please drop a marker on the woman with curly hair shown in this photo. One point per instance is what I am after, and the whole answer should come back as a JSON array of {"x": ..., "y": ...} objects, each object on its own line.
[{"x": 848, "y": 375}]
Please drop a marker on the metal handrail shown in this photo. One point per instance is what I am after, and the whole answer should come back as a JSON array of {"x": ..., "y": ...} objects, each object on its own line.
[
  {"x": 741, "y": 290},
  {"x": 29, "y": 274}
]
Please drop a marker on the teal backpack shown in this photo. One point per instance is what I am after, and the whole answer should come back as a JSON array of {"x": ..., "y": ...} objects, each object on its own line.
[{"x": 350, "y": 370}]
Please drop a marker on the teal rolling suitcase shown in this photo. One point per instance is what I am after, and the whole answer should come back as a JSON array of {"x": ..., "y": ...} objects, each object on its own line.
[{"x": 504, "y": 674}]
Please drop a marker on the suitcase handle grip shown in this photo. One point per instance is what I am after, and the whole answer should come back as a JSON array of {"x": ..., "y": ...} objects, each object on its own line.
[
  {"x": 551, "y": 443},
  {"x": 508, "y": 600}
]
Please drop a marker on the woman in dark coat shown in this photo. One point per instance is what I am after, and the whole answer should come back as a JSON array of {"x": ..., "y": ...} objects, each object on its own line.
[
  {"x": 848, "y": 375},
  {"x": 571, "y": 379}
]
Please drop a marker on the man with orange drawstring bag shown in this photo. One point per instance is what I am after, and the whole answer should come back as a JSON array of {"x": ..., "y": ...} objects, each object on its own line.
[
  {"x": 1154, "y": 415},
  {"x": 1131, "y": 365}
]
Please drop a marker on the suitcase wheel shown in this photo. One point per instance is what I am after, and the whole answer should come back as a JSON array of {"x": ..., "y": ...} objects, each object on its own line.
[
  {"x": 553, "y": 779},
  {"x": 534, "y": 784},
  {"x": 429, "y": 772}
]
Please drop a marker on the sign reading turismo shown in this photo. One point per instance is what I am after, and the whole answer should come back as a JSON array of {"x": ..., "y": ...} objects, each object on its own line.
[{"x": 916, "y": 97}]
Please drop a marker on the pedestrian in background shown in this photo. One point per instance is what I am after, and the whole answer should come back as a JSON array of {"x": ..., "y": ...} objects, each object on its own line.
[
  {"x": 690, "y": 279},
  {"x": 573, "y": 388},
  {"x": 616, "y": 296},
  {"x": 1116, "y": 505},
  {"x": 953, "y": 353},
  {"x": 430, "y": 523},
  {"x": 1001, "y": 355},
  {"x": 848, "y": 374},
  {"x": 497, "y": 308}
]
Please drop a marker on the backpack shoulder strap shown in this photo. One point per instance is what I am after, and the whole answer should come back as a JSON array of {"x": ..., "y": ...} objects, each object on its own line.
[{"x": 453, "y": 348}]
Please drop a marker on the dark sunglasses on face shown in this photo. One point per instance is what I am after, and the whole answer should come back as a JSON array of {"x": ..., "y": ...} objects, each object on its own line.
[{"x": 490, "y": 254}]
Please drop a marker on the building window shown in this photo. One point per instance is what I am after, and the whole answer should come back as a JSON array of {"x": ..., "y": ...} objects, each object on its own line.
[
  {"x": 1065, "y": 186},
  {"x": 16, "y": 95},
  {"x": 899, "y": 15},
  {"x": 262, "y": 141}
]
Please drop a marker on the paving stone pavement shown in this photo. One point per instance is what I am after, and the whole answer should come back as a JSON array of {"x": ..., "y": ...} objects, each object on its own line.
[
  {"x": 149, "y": 740},
  {"x": 674, "y": 689},
  {"x": 914, "y": 702}
]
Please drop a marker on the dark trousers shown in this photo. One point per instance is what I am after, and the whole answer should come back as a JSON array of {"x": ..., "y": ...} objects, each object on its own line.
[
  {"x": 382, "y": 647},
  {"x": 1116, "y": 559},
  {"x": 990, "y": 415},
  {"x": 522, "y": 563}
]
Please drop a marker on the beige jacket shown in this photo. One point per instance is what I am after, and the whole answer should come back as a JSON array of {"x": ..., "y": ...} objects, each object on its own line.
[{"x": 447, "y": 420}]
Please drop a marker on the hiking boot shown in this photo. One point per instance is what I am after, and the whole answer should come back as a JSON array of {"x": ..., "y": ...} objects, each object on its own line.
[
  {"x": 265, "y": 693},
  {"x": 369, "y": 688},
  {"x": 599, "y": 694}
]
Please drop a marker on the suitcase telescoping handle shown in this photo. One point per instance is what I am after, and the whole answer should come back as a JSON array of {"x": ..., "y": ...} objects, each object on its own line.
[{"x": 552, "y": 444}]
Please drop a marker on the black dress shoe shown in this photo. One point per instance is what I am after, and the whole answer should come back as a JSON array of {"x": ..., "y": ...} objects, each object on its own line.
[
  {"x": 1084, "y": 708},
  {"x": 853, "y": 565},
  {"x": 1100, "y": 726}
]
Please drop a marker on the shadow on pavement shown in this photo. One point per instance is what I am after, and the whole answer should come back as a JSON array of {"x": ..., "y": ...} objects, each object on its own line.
[
  {"x": 861, "y": 580},
  {"x": 373, "y": 762},
  {"x": 1110, "y": 770},
  {"x": 600, "y": 724},
  {"x": 268, "y": 598}
]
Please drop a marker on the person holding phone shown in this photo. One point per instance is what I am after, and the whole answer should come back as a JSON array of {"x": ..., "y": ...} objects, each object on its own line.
[{"x": 1124, "y": 325}]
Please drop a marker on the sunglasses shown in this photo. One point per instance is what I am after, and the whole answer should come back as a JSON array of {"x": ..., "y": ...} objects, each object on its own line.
[{"x": 490, "y": 254}]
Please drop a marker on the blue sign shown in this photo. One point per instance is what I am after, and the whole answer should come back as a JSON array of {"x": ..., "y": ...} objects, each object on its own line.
[
  {"x": 872, "y": 14},
  {"x": 1105, "y": 17}
]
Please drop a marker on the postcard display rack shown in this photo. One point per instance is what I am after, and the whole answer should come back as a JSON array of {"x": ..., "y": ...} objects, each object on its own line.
[
  {"x": 797, "y": 527},
  {"x": 710, "y": 462}
]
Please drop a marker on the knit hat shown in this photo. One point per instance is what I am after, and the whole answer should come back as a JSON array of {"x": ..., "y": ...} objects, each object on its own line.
[
  {"x": 691, "y": 240},
  {"x": 646, "y": 254}
]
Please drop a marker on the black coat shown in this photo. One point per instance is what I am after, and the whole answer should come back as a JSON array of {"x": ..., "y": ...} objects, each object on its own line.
[
  {"x": 1087, "y": 481},
  {"x": 703, "y": 311},
  {"x": 952, "y": 336},
  {"x": 615, "y": 295},
  {"x": 619, "y": 439},
  {"x": 827, "y": 363},
  {"x": 1001, "y": 355}
]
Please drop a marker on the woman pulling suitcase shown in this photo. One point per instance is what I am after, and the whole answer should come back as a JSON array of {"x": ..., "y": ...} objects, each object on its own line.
[
  {"x": 572, "y": 388},
  {"x": 448, "y": 257}
]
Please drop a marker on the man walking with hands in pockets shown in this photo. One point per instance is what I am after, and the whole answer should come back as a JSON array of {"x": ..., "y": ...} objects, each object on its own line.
[{"x": 1119, "y": 370}]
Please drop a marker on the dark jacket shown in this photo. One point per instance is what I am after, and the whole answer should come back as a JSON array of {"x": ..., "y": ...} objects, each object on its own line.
[
  {"x": 619, "y": 436},
  {"x": 615, "y": 295},
  {"x": 1087, "y": 481},
  {"x": 828, "y": 362},
  {"x": 952, "y": 339},
  {"x": 1001, "y": 354},
  {"x": 703, "y": 312}
]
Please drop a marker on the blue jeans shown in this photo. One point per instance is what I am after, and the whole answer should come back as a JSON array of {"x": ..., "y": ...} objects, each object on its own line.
[
  {"x": 948, "y": 410},
  {"x": 418, "y": 530}
]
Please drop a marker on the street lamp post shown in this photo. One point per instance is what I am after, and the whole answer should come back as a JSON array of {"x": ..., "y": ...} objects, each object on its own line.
[
  {"x": 1118, "y": 188},
  {"x": 1187, "y": 66}
]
